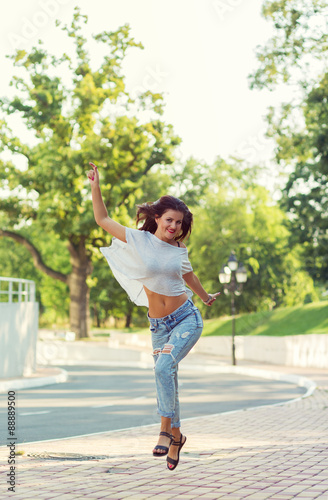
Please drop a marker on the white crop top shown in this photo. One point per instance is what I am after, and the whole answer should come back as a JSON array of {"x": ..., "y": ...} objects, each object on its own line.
[{"x": 146, "y": 260}]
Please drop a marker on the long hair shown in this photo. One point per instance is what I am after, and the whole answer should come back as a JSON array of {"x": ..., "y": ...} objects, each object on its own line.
[{"x": 147, "y": 212}]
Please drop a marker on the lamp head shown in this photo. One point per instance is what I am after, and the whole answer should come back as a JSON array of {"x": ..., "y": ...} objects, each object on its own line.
[
  {"x": 224, "y": 274},
  {"x": 241, "y": 273},
  {"x": 232, "y": 262}
]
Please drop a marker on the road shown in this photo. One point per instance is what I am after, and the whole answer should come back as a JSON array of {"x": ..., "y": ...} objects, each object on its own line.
[{"x": 100, "y": 399}]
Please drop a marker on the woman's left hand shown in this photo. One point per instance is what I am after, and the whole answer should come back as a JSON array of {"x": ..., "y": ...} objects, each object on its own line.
[
  {"x": 211, "y": 298},
  {"x": 93, "y": 175}
]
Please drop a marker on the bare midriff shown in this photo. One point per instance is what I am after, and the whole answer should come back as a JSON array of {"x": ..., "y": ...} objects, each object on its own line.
[{"x": 163, "y": 305}]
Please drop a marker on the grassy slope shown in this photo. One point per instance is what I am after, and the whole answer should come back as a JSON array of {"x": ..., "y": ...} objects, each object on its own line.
[{"x": 310, "y": 318}]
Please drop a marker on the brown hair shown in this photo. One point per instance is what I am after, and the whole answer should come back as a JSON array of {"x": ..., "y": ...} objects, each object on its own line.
[{"x": 147, "y": 212}]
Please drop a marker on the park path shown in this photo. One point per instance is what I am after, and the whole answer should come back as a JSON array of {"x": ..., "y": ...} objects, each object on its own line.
[{"x": 273, "y": 452}]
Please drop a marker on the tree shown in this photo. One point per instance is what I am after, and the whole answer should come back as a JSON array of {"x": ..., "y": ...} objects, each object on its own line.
[
  {"x": 238, "y": 214},
  {"x": 297, "y": 56},
  {"x": 91, "y": 118},
  {"x": 296, "y": 52}
]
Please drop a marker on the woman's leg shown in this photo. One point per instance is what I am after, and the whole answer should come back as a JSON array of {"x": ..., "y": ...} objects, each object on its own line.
[
  {"x": 182, "y": 338},
  {"x": 175, "y": 422},
  {"x": 159, "y": 337},
  {"x": 176, "y": 418},
  {"x": 170, "y": 425},
  {"x": 169, "y": 348}
]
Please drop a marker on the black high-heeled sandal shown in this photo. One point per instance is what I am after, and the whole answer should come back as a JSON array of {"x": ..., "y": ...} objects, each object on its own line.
[
  {"x": 164, "y": 448},
  {"x": 171, "y": 460}
]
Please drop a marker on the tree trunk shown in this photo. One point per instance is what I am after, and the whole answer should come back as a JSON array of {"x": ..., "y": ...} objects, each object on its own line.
[
  {"x": 128, "y": 317},
  {"x": 96, "y": 316},
  {"x": 79, "y": 314}
]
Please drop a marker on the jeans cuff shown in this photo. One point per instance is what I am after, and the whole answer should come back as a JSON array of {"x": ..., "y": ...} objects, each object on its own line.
[
  {"x": 166, "y": 414},
  {"x": 176, "y": 425}
]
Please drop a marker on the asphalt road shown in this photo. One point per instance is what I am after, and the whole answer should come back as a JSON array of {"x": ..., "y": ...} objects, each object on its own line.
[{"x": 100, "y": 399}]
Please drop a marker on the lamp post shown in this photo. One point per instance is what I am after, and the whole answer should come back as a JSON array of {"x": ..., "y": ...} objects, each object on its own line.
[{"x": 233, "y": 275}]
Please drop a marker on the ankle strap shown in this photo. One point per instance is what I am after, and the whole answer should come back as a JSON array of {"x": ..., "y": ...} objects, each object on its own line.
[
  {"x": 177, "y": 443},
  {"x": 166, "y": 434}
]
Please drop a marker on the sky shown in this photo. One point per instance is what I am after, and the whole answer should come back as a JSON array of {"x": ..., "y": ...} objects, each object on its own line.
[{"x": 199, "y": 53}]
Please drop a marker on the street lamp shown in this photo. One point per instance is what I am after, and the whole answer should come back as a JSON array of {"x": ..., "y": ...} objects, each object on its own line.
[{"x": 233, "y": 275}]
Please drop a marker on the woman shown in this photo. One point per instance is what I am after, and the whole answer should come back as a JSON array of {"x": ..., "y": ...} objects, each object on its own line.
[{"x": 151, "y": 264}]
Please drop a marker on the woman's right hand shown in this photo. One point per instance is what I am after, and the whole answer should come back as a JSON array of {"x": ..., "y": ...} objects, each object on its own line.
[
  {"x": 211, "y": 298},
  {"x": 93, "y": 175}
]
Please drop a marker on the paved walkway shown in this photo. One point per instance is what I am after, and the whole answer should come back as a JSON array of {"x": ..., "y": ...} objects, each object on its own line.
[{"x": 278, "y": 452}]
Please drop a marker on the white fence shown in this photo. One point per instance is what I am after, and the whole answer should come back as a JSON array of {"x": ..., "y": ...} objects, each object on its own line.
[
  {"x": 16, "y": 290},
  {"x": 19, "y": 315}
]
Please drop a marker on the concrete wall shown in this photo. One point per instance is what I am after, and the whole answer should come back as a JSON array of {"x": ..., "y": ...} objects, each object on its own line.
[
  {"x": 294, "y": 350},
  {"x": 18, "y": 336},
  {"x": 58, "y": 352},
  {"x": 297, "y": 350}
]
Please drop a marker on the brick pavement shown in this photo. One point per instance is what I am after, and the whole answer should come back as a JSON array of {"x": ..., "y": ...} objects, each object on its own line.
[{"x": 277, "y": 452}]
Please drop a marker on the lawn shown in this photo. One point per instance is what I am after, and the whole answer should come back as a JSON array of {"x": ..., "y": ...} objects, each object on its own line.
[{"x": 309, "y": 318}]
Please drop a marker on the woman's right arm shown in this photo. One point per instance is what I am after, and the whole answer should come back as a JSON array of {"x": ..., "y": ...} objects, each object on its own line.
[{"x": 101, "y": 216}]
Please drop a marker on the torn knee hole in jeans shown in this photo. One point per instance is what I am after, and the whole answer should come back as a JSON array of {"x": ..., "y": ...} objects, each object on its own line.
[{"x": 167, "y": 349}]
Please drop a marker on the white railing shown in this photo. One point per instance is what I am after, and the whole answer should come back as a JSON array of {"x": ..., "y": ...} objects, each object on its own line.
[{"x": 17, "y": 290}]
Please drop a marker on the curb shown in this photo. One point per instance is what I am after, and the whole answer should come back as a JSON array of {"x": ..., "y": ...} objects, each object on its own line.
[
  {"x": 28, "y": 383},
  {"x": 298, "y": 380}
]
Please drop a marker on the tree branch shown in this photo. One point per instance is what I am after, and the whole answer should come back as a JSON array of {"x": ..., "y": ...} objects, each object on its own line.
[{"x": 37, "y": 259}]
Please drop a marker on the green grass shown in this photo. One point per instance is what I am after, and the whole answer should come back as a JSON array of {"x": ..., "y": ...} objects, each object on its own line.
[
  {"x": 298, "y": 320},
  {"x": 310, "y": 318}
]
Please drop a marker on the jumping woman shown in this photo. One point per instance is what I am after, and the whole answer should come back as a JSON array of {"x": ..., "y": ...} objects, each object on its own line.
[{"x": 152, "y": 265}]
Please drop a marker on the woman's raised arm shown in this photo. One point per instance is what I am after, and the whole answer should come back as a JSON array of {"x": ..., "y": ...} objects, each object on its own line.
[{"x": 100, "y": 212}]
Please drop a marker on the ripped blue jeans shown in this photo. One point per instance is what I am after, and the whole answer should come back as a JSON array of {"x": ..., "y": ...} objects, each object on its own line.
[{"x": 173, "y": 337}]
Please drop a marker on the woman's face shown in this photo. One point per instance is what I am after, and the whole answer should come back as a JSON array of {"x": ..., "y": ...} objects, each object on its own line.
[{"x": 169, "y": 225}]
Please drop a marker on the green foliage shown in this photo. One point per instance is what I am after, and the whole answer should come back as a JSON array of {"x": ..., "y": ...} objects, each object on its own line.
[
  {"x": 300, "y": 31},
  {"x": 297, "y": 55},
  {"x": 16, "y": 262},
  {"x": 77, "y": 125},
  {"x": 84, "y": 115},
  {"x": 305, "y": 194},
  {"x": 239, "y": 215}
]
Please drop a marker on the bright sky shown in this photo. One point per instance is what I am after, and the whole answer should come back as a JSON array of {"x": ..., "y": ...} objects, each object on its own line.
[{"x": 198, "y": 52}]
